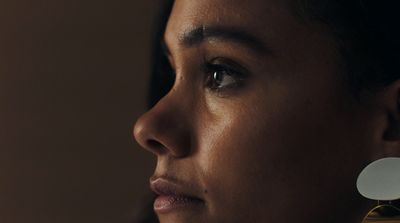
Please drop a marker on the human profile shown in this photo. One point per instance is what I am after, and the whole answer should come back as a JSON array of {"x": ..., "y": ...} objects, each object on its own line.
[{"x": 267, "y": 110}]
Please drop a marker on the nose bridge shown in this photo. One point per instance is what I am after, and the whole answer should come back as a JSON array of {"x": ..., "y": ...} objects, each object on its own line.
[{"x": 165, "y": 128}]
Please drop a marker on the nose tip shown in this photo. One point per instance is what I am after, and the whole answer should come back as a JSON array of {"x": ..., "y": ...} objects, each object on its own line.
[
  {"x": 139, "y": 133},
  {"x": 143, "y": 137},
  {"x": 163, "y": 132}
]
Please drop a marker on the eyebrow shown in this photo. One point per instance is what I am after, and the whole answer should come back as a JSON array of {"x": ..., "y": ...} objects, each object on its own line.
[{"x": 201, "y": 34}]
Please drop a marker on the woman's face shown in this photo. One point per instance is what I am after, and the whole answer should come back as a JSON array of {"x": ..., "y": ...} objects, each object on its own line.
[{"x": 260, "y": 125}]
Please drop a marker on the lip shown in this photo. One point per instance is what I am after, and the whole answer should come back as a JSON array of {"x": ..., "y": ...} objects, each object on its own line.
[{"x": 174, "y": 195}]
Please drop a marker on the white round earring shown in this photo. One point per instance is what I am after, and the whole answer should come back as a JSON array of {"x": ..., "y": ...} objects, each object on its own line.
[{"x": 380, "y": 181}]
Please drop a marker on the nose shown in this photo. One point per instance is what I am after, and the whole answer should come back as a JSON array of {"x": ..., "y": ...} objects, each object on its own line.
[{"x": 164, "y": 129}]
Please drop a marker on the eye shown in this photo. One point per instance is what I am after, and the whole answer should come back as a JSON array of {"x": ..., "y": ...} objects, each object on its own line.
[{"x": 223, "y": 77}]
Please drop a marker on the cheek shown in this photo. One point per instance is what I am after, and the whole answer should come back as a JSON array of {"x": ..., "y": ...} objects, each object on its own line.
[
  {"x": 242, "y": 148},
  {"x": 267, "y": 150}
]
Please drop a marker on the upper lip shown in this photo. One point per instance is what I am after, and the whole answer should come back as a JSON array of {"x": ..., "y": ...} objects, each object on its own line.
[{"x": 169, "y": 186}]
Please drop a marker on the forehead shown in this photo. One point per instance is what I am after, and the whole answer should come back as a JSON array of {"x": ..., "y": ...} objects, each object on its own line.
[{"x": 265, "y": 18}]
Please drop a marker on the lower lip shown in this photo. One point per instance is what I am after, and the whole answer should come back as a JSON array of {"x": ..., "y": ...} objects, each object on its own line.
[{"x": 168, "y": 203}]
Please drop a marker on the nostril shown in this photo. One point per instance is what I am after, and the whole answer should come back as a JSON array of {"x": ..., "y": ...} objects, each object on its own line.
[{"x": 155, "y": 146}]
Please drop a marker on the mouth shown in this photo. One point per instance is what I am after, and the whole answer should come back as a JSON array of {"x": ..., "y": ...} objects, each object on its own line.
[{"x": 173, "y": 196}]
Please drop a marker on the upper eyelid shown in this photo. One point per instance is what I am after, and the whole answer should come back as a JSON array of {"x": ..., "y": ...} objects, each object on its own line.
[
  {"x": 221, "y": 67},
  {"x": 226, "y": 63}
]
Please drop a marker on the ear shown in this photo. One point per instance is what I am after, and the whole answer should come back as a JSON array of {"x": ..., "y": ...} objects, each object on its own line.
[{"x": 389, "y": 100}]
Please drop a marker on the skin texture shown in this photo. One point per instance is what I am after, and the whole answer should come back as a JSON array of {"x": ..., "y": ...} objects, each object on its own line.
[{"x": 286, "y": 142}]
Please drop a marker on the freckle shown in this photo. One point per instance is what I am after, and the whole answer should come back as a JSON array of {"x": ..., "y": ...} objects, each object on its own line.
[{"x": 205, "y": 191}]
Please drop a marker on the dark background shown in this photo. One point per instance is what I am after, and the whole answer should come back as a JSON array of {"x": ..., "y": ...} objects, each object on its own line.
[{"x": 73, "y": 77}]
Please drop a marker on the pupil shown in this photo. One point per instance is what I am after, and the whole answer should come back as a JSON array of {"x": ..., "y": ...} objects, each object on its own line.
[{"x": 217, "y": 77}]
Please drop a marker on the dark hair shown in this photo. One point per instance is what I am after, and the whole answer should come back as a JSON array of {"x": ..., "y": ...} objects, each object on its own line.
[
  {"x": 366, "y": 32},
  {"x": 367, "y": 35}
]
